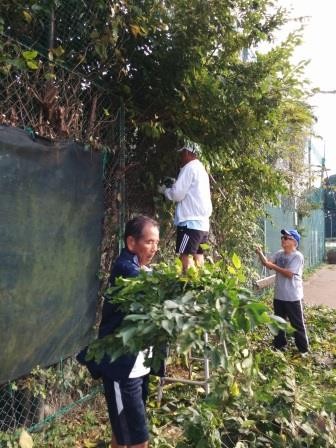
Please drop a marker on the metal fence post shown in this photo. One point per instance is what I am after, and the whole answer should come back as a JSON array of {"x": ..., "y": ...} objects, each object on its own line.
[{"x": 122, "y": 180}]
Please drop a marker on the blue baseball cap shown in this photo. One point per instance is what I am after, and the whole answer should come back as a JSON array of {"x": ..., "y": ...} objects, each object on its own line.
[{"x": 293, "y": 233}]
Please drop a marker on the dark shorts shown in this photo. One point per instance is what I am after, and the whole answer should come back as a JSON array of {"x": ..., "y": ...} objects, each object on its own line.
[
  {"x": 188, "y": 241},
  {"x": 126, "y": 407}
]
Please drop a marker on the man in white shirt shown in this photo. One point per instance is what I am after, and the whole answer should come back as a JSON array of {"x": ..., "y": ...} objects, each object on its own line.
[{"x": 191, "y": 192}]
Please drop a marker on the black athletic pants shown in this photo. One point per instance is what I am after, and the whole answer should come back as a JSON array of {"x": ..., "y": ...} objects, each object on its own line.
[{"x": 293, "y": 311}]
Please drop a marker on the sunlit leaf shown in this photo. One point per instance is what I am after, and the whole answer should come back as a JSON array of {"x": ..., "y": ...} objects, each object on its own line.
[
  {"x": 58, "y": 51},
  {"x": 25, "y": 440},
  {"x": 27, "y": 16},
  {"x": 29, "y": 55},
  {"x": 32, "y": 64},
  {"x": 234, "y": 390},
  {"x": 135, "y": 30},
  {"x": 236, "y": 261},
  {"x": 231, "y": 270}
]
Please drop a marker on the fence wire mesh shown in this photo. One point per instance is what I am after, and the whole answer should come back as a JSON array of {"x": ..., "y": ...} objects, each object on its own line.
[
  {"x": 310, "y": 224},
  {"x": 58, "y": 100},
  {"x": 18, "y": 408},
  {"x": 45, "y": 395}
]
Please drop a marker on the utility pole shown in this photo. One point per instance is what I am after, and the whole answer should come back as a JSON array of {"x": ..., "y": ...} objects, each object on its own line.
[
  {"x": 309, "y": 162},
  {"x": 323, "y": 167}
]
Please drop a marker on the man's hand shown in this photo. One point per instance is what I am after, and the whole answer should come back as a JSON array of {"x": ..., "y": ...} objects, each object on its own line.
[
  {"x": 262, "y": 257},
  {"x": 169, "y": 181},
  {"x": 258, "y": 250},
  {"x": 161, "y": 189}
]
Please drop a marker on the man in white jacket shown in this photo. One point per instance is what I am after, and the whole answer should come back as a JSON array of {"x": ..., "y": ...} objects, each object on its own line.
[{"x": 191, "y": 192}]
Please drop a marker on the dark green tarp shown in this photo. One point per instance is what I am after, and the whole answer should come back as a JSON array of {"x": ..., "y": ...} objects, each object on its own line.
[{"x": 51, "y": 210}]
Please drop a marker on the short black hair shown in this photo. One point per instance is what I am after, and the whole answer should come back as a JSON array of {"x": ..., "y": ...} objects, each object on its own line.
[{"x": 135, "y": 226}]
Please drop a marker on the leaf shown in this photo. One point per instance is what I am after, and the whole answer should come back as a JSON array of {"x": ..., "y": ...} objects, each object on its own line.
[
  {"x": 247, "y": 363},
  {"x": 135, "y": 30},
  {"x": 232, "y": 270},
  {"x": 127, "y": 334},
  {"x": 239, "y": 367},
  {"x": 273, "y": 329},
  {"x": 187, "y": 297},
  {"x": 58, "y": 51},
  {"x": 170, "y": 304},
  {"x": 242, "y": 321},
  {"x": 236, "y": 261},
  {"x": 25, "y": 440},
  {"x": 89, "y": 444},
  {"x": 248, "y": 423},
  {"x": 36, "y": 7},
  {"x": 101, "y": 50},
  {"x": 308, "y": 429},
  {"x": 29, "y": 55},
  {"x": 234, "y": 390},
  {"x": 27, "y": 16},
  {"x": 50, "y": 76},
  {"x": 32, "y": 64},
  {"x": 168, "y": 325},
  {"x": 136, "y": 317}
]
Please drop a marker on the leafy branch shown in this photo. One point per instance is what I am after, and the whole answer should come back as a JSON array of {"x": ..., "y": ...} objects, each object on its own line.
[{"x": 168, "y": 307}]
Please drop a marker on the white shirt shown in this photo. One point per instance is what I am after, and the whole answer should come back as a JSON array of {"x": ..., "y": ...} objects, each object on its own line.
[
  {"x": 139, "y": 369},
  {"x": 191, "y": 191}
]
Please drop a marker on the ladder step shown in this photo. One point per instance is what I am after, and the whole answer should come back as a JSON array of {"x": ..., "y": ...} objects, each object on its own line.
[
  {"x": 192, "y": 358},
  {"x": 182, "y": 380}
]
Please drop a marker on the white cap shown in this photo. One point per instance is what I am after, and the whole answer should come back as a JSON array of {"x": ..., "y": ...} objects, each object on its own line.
[{"x": 191, "y": 147}]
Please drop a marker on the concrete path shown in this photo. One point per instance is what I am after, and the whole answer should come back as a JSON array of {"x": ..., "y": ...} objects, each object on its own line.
[{"x": 320, "y": 288}]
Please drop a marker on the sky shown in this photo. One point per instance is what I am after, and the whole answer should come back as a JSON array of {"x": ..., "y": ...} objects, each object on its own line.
[{"x": 319, "y": 38}]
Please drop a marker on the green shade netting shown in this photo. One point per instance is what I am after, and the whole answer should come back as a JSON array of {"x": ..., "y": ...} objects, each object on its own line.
[{"x": 51, "y": 209}]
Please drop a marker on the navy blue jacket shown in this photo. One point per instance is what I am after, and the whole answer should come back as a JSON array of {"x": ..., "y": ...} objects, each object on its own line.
[{"x": 126, "y": 265}]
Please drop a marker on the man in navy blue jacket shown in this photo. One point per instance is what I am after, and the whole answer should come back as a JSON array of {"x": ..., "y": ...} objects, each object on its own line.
[{"x": 126, "y": 379}]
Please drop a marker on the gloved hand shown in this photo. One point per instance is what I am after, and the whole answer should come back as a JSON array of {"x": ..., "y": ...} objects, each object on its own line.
[
  {"x": 161, "y": 189},
  {"x": 169, "y": 181}
]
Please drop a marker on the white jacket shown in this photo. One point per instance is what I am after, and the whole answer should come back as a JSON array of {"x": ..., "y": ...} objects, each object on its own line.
[{"x": 191, "y": 191}]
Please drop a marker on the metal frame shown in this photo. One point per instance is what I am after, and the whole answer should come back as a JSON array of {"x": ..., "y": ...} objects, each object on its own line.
[{"x": 204, "y": 383}]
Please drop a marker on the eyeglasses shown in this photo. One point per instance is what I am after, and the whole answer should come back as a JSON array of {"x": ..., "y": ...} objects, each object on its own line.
[{"x": 287, "y": 238}]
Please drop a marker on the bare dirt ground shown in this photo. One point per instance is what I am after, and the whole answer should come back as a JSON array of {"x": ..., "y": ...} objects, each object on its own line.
[{"x": 320, "y": 288}]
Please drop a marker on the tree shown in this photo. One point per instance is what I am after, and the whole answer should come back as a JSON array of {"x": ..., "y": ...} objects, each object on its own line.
[{"x": 178, "y": 69}]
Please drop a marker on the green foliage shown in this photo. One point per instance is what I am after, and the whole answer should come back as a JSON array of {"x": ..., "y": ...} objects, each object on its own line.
[
  {"x": 170, "y": 308},
  {"x": 179, "y": 68},
  {"x": 279, "y": 400},
  {"x": 275, "y": 399}
]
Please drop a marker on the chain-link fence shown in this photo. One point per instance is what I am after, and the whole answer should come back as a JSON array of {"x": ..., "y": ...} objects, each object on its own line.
[
  {"x": 52, "y": 86},
  {"x": 57, "y": 66},
  {"x": 330, "y": 206},
  {"x": 45, "y": 395},
  {"x": 313, "y": 230},
  {"x": 307, "y": 216}
]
